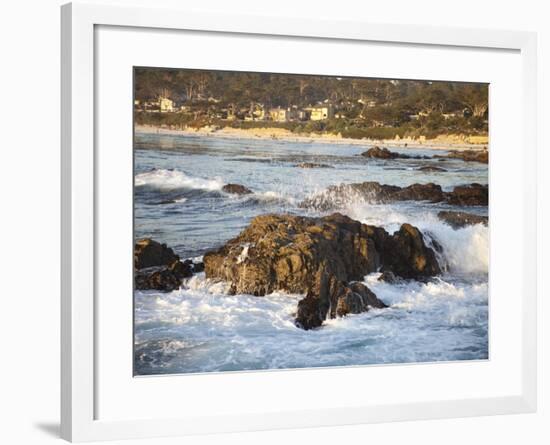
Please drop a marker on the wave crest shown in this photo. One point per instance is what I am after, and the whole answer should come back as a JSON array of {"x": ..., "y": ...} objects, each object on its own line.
[{"x": 165, "y": 179}]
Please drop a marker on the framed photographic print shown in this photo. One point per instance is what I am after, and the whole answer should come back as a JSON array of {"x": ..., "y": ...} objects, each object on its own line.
[{"x": 284, "y": 241}]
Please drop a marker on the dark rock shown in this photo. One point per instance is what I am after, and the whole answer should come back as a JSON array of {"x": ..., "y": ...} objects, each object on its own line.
[
  {"x": 389, "y": 277},
  {"x": 458, "y": 220},
  {"x": 148, "y": 253},
  {"x": 384, "y": 153},
  {"x": 164, "y": 278},
  {"x": 236, "y": 189},
  {"x": 431, "y": 168},
  {"x": 407, "y": 255},
  {"x": 341, "y": 196},
  {"x": 469, "y": 195},
  {"x": 318, "y": 257},
  {"x": 312, "y": 165},
  {"x": 420, "y": 192},
  {"x": 470, "y": 155},
  {"x": 182, "y": 270},
  {"x": 198, "y": 267},
  {"x": 380, "y": 153}
]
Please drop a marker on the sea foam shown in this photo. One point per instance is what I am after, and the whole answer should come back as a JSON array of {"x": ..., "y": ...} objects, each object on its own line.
[
  {"x": 164, "y": 179},
  {"x": 465, "y": 250}
]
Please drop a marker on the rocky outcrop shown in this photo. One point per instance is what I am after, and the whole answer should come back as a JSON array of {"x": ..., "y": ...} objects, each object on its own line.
[
  {"x": 236, "y": 189},
  {"x": 384, "y": 153},
  {"x": 469, "y": 155},
  {"x": 312, "y": 165},
  {"x": 458, "y": 220},
  {"x": 469, "y": 195},
  {"x": 318, "y": 257},
  {"x": 157, "y": 267},
  {"x": 340, "y": 196}
]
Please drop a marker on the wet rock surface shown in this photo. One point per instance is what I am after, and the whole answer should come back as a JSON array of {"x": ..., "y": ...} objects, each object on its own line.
[
  {"x": 431, "y": 168},
  {"x": 469, "y": 155},
  {"x": 318, "y": 257},
  {"x": 340, "y": 196},
  {"x": 148, "y": 253},
  {"x": 236, "y": 189},
  {"x": 458, "y": 220},
  {"x": 384, "y": 153},
  {"x": 157, "y": 267},
  {"x": 312, "y": 165}
]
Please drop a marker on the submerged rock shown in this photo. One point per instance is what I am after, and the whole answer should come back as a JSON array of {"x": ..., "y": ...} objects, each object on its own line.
[
  {"x": 458, "y": 220},
  {"x": 469, "y": 155},
  {"x": 431, "y": 168},
  {"x": 312, "y": 165},
  {"x": 379, "y": 153},
  {"x": 339, "y": 196},
  {"x": 236, "y": 189},
  {"x": 318, "y": 257},
  {"x": 389, "y": 277},
  {"x": 384, "y": 153}
]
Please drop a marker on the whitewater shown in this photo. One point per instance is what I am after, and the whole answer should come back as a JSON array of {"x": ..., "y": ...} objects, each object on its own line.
[{"x": 200, "y": 328}]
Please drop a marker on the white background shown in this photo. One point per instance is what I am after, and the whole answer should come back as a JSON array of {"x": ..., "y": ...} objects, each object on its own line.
[{"x": 29, "y": 185}]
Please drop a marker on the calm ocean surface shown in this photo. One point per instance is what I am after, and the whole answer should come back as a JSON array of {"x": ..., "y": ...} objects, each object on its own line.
[{"x": 199, "y": 328}]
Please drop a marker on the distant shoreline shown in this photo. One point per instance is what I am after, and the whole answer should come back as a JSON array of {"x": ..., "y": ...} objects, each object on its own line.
[{"x": 446, "y": 142}]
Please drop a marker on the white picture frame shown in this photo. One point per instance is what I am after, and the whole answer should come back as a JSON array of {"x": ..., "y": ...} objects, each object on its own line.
[{"x": 79, "y": 373}]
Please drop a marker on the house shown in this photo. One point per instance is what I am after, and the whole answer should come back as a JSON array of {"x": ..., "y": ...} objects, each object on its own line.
[
  {"x": 321, "y": 112},
  {"x": 166, "y": 105},
  {"x": 279, "y": 114}
]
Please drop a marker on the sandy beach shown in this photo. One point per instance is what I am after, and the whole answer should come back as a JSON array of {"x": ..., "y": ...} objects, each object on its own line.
[{"x": 449, "y": 142}]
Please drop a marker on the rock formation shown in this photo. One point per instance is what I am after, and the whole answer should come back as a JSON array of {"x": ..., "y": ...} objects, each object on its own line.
[{"x": 319, "y": 257}]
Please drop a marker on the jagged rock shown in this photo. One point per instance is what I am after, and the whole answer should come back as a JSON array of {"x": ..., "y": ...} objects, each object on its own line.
[
  {"x": 312, "y": 165},
  {"x": 236, "y": 189},
  {"x": 149, "y": 253},
  {"x": 317, "y": 257},
  {"x": 458, "y": 220},
  {"x": 340, "y": 196},
  {"x": 406, "y": 254}
]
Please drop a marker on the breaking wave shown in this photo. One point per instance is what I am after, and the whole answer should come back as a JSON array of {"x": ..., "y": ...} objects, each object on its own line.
[
  {"x": 464, "y": 250},
  {"x": 200, "y": 328},
  {"x": 164, "y": 179}
]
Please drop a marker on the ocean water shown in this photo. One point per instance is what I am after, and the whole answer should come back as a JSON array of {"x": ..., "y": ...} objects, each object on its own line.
[{"x": 199, "y": 328}]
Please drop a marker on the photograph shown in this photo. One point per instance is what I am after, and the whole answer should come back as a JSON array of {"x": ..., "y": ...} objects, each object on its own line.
[{"x": 287, "y": 221}]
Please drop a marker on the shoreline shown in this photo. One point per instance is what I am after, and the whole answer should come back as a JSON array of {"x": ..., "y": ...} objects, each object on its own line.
[{"x": 449, "y": 142}]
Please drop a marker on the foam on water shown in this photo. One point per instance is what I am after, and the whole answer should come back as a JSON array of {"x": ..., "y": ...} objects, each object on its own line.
[
  {"x": 164, "y": 179},
  {"x": 200, "y": 328},
  {"x": 465, "y": 250}
]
